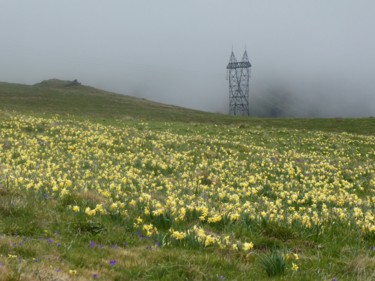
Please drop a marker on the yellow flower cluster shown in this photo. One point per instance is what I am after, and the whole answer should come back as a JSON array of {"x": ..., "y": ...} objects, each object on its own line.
[
  {"x": 226, "y": 176},
  {"x": 178, "y": 234},
  {"x": 150, "y": 229},
  {"x": 211, "y": 239}
]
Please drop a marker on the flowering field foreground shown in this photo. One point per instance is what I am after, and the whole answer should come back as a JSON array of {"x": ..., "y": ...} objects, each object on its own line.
[{"x": 238, "y": 193}]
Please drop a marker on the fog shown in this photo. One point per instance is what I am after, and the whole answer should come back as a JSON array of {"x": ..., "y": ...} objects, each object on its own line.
[{"x": 309, "y": 58}]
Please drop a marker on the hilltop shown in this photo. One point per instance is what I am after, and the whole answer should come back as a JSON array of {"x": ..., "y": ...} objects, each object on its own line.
[{"x": 58, "y": 83}]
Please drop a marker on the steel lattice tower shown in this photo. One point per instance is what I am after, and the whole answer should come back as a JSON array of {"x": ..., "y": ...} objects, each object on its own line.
[{"x": 239, "y": 76}]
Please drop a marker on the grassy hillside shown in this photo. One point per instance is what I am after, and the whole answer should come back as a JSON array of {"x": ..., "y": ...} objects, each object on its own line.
[
  {"x": 117, "y": 188},
  {"x": 87, "y": 102}
]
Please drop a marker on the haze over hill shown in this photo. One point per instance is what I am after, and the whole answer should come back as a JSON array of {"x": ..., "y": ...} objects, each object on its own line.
[{"x": 310, "y": 58}]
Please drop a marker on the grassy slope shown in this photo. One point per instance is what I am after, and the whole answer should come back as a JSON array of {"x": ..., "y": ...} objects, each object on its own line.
[
  {"x": 59, "y": 240},
  {"x": 99, "y": 105}
]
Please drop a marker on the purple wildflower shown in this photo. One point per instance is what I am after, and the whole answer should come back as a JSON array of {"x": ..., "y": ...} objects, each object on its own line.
[
  {"x": 95, "y": 275},
  {"x": 140, "y": 235},
  {"x": 372, "y": 248},
  {"x": 49, "y": 240},
  {"x": 112, "y": 262},
  {"x": 92, "y": 244}
]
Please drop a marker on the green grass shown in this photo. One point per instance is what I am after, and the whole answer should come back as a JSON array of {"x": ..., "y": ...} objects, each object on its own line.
[
  {"x": 81, "y": 139},
  {"x": 274, "y": 264}
]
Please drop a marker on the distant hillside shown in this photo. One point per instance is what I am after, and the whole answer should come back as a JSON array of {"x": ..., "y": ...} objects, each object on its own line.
[{"x": 71, "y": 98}]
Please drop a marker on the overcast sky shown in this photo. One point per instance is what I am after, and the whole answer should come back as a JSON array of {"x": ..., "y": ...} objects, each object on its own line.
[{"x": 321, "y": 52}]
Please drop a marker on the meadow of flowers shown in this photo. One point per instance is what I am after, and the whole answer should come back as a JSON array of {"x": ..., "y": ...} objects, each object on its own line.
[{"x": 202, "y": 187}]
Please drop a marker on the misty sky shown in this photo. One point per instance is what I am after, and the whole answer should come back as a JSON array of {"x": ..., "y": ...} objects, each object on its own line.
[{"x": 320, "y": 53}]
